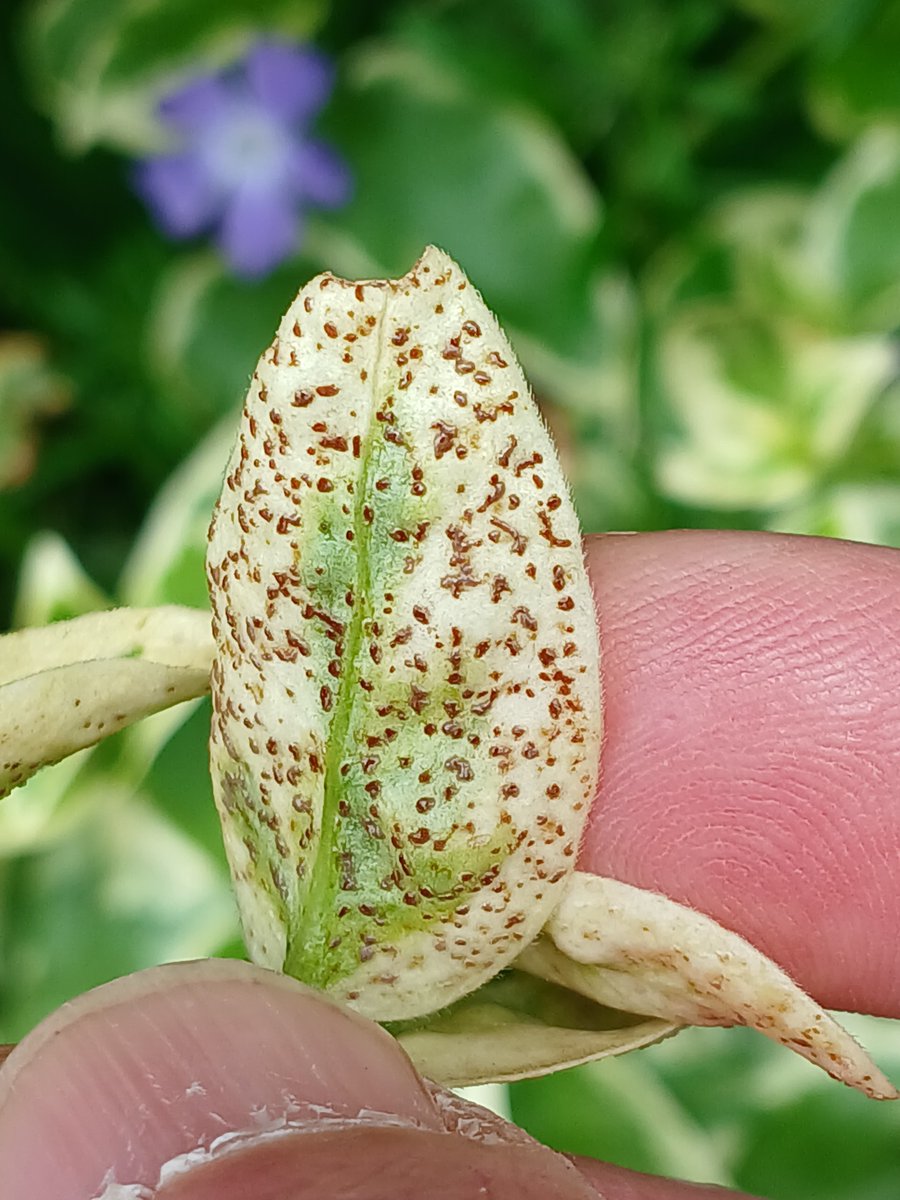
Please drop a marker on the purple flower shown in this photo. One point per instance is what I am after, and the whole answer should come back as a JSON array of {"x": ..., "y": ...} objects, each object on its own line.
[{"x": 245, "y": 164}]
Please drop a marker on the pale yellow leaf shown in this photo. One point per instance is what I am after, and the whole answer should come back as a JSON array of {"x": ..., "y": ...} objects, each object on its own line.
[
  {"x": 641, "y": 952},
  {"x": 406, "y": 689},
  {"x": 66, "y": 686},
  {"x": 518, "y": 1027}
]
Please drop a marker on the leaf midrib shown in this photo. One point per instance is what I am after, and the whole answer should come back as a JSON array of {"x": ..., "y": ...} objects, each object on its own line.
[{"x": 313, "y": 918}]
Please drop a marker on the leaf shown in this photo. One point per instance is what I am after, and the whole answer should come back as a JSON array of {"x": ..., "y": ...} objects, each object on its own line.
[
  {"x": 412, "y": 129},
  {"x": 519, "y": 1027},
  {"x": 761, "y": 408},
  {"x": 68, "y": 685},
  {"x": 855, "y": 85},
  {"x": 165, "y": 565},
  {"x": 641, "y": 952},
  {"x": 851, "y": 244},
  {"x": 406, "y": 689},
  {"x": 864, "y": 512},
  {"x": 98, "y": 66},
  {"x": 53, "y": 585},
  {"x": 122, "y": 890}
]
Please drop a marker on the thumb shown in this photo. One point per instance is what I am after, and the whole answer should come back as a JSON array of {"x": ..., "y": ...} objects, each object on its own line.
[
  {"x": 218, "y": 1081},
  {"x": 752, "y": 745}
]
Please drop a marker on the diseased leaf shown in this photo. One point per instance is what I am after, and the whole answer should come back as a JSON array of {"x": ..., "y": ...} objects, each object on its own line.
[
  {"x": 639, "y": 951},
  {"x": 68, "y": 685},
  {"x": 517, "y": 1027},
  {"x": 406, "y": 689}
]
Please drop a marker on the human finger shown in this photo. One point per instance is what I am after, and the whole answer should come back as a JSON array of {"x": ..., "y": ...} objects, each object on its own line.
[
  {"x": 218, "y": 1079},
  {"x": 751, "y": 751}
]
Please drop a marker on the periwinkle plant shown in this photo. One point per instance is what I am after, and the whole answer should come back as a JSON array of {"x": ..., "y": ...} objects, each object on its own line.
[{"x": 407, "y": 707}]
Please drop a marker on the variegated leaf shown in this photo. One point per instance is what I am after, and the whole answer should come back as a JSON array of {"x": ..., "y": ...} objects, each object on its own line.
[
  {"x": 68, "y": 685},
  {"x": 406, "y": 688},
  {"x": 640, "y": 951},
  {"x": 518, "y": 1026}
]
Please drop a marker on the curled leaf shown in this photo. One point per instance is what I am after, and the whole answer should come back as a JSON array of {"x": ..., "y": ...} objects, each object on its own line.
[
  {"x": 406, "y": 687},
  {"x": 66, "y": 686},
  {"x": 641, "y": 952}
]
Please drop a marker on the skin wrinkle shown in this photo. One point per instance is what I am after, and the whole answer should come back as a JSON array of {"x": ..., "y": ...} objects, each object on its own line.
[
  {"x": 761, "y": 631},
  {"x": 155, "y": 1029},
  {"x": 722, "y": 653},
  {"x": 404, "y": 1164},
  {"x": 772, "y": 830}
]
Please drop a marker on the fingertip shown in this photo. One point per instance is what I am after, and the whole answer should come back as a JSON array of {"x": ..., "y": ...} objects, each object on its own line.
[
  {"x": 752, "y": 744},
  {"x": 372, "y": 1162},
  {"x": 147, "y": 1068}
]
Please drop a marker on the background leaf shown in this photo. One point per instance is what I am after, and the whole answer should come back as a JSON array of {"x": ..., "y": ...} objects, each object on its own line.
[{"x": 98, "y": 65}]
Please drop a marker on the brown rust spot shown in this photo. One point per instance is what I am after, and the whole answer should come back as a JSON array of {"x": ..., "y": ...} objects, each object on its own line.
[
  {"x": 504, "y": 456},
  {"x": 484, "y": 703},
  {"x": 546, "y": 531},
  {"x": 444, "y": 438},
  {"x": 519, "y": 542},
  {"x": 499, "y": 585},
  {"x": 523, "y": 617},
  {"x": 334, "y": 442},
  {"x": 498, "y": 487},
  {"x": 460, "y": 767},
  {"x": 483, "y": 414}
]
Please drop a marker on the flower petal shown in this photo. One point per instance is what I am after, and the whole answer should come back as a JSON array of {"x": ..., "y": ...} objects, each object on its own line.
[
  {"x": 319, "y": 175},
  {"x": 178, "y": 192},
  {"x": 292, "y": 82},
  {"x": 199, "y": 104},
  {"x": 259, "y": 229}
]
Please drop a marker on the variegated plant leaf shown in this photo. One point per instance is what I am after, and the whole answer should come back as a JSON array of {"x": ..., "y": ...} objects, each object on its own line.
[
  {"x": 68, "y": 685},
  {"x": 640, "y": 951},
  {"x": 406, "y": 687},
  {"x": 518, "y": 1026}
]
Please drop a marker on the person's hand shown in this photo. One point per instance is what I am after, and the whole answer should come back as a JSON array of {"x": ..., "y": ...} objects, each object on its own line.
[{"x": 750, "y": 767}]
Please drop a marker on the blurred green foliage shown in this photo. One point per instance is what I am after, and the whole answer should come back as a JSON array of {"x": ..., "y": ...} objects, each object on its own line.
[{"x": 687, "y": 216}]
